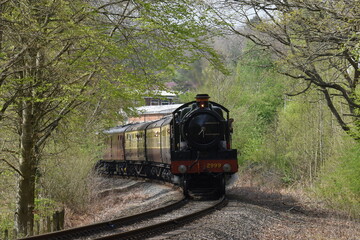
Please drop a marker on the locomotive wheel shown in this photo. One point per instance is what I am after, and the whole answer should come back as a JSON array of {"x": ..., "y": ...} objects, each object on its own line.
[
  {"x": 222, "y": 186},
  {"x": 185, "y": 187},
  {"x": 131, "y": 170},
  {"x": 153, "y": 172},
  {"x": 148, "y": 171}
]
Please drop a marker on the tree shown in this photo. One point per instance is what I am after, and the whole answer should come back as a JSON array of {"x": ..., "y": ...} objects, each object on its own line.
[
  {"x": 56, "y": 56},
  {"x": 315, "y": 42}
]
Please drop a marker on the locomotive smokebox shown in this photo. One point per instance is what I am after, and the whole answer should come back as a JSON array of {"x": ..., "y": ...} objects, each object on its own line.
[{"x": 202, "y": 126}]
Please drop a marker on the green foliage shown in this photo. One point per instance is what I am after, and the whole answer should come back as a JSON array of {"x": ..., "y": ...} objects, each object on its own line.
[
  {"x": 72, "y": 67},
  {"x": 6, "y": 223},
  {"x": 253, "y": 95},
  {"x": 189, "y": 78},
  {"x": 67, "y": 164},
  {"x": 302, "y": 139},
  {"x": 258, "y": 93},
  {"x": 44, "y": 207},
  {"x": 8, "y": 186},
  {"x": 84, "y": 60},
  {"x": 317, "y": 48},
  {"x": 339, "y": 182},
  {"x": 7, "y": 197},
  {"x": 66, "y": 182},
  {"x": 297, "y": 138},
  {"x": 187, "y": 97}
]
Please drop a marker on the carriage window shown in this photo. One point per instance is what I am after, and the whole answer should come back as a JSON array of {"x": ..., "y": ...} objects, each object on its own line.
[{"x": 154, "y": 102}]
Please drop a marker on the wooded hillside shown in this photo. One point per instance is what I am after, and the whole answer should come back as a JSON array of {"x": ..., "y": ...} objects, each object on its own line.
[{"x": 287, "y": 70}]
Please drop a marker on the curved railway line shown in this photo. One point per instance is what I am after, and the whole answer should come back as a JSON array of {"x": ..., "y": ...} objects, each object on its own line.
[{"x": 142, "y": 225}]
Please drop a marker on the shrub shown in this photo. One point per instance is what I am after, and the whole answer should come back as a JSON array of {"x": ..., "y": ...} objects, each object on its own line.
[{"x": 339, "y": 183}]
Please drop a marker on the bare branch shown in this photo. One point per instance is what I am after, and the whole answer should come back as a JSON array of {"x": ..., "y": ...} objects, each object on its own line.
[
  {"x": 333, "y": 109},
  {"x": 303, "y": 91},
  {"x": 12, "y": 166}
]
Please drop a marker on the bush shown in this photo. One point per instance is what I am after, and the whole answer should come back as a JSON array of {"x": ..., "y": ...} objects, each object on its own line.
[
  {"x": 65, "y": 173},
  {"x": 339, "y": 183}
]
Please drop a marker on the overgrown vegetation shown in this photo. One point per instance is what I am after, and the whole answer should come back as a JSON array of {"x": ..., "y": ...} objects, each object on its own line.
[{"x": 339, "y": 181}]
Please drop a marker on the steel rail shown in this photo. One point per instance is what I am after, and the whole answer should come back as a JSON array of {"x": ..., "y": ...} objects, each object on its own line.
[
  {"x": 162, "y": 227},
  {"x": 101, "y": 227}
]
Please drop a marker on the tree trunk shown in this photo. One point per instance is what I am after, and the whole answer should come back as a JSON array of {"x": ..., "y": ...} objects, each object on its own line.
[
  {"x": 24, "y": 218},
  {"x": 29, "y": 154}
]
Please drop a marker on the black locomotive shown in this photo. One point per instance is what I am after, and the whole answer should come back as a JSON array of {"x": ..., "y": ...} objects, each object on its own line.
[{"x": 191, "y": 147}]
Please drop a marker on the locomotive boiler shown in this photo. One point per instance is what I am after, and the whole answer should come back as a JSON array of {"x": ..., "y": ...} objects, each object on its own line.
[{"x": 191, "y": 147}]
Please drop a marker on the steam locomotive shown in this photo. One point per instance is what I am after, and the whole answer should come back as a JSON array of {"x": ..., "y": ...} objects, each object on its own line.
[{"x": 190, "y": 147}]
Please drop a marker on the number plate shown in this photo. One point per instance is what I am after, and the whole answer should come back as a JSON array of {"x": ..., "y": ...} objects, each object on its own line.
[{"x": 213, "y": 165}]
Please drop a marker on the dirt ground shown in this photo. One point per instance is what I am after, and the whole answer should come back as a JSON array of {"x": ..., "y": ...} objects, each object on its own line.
[
  {"x": 118, "y": 197},
  {"x": 252, "y": 212}
]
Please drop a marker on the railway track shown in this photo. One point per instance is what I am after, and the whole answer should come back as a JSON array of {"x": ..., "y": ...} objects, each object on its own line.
[
  {"x": 140, "y": 226},
  {"x": 191, "y": 211},
  {"x": 87, "y": 231}
]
